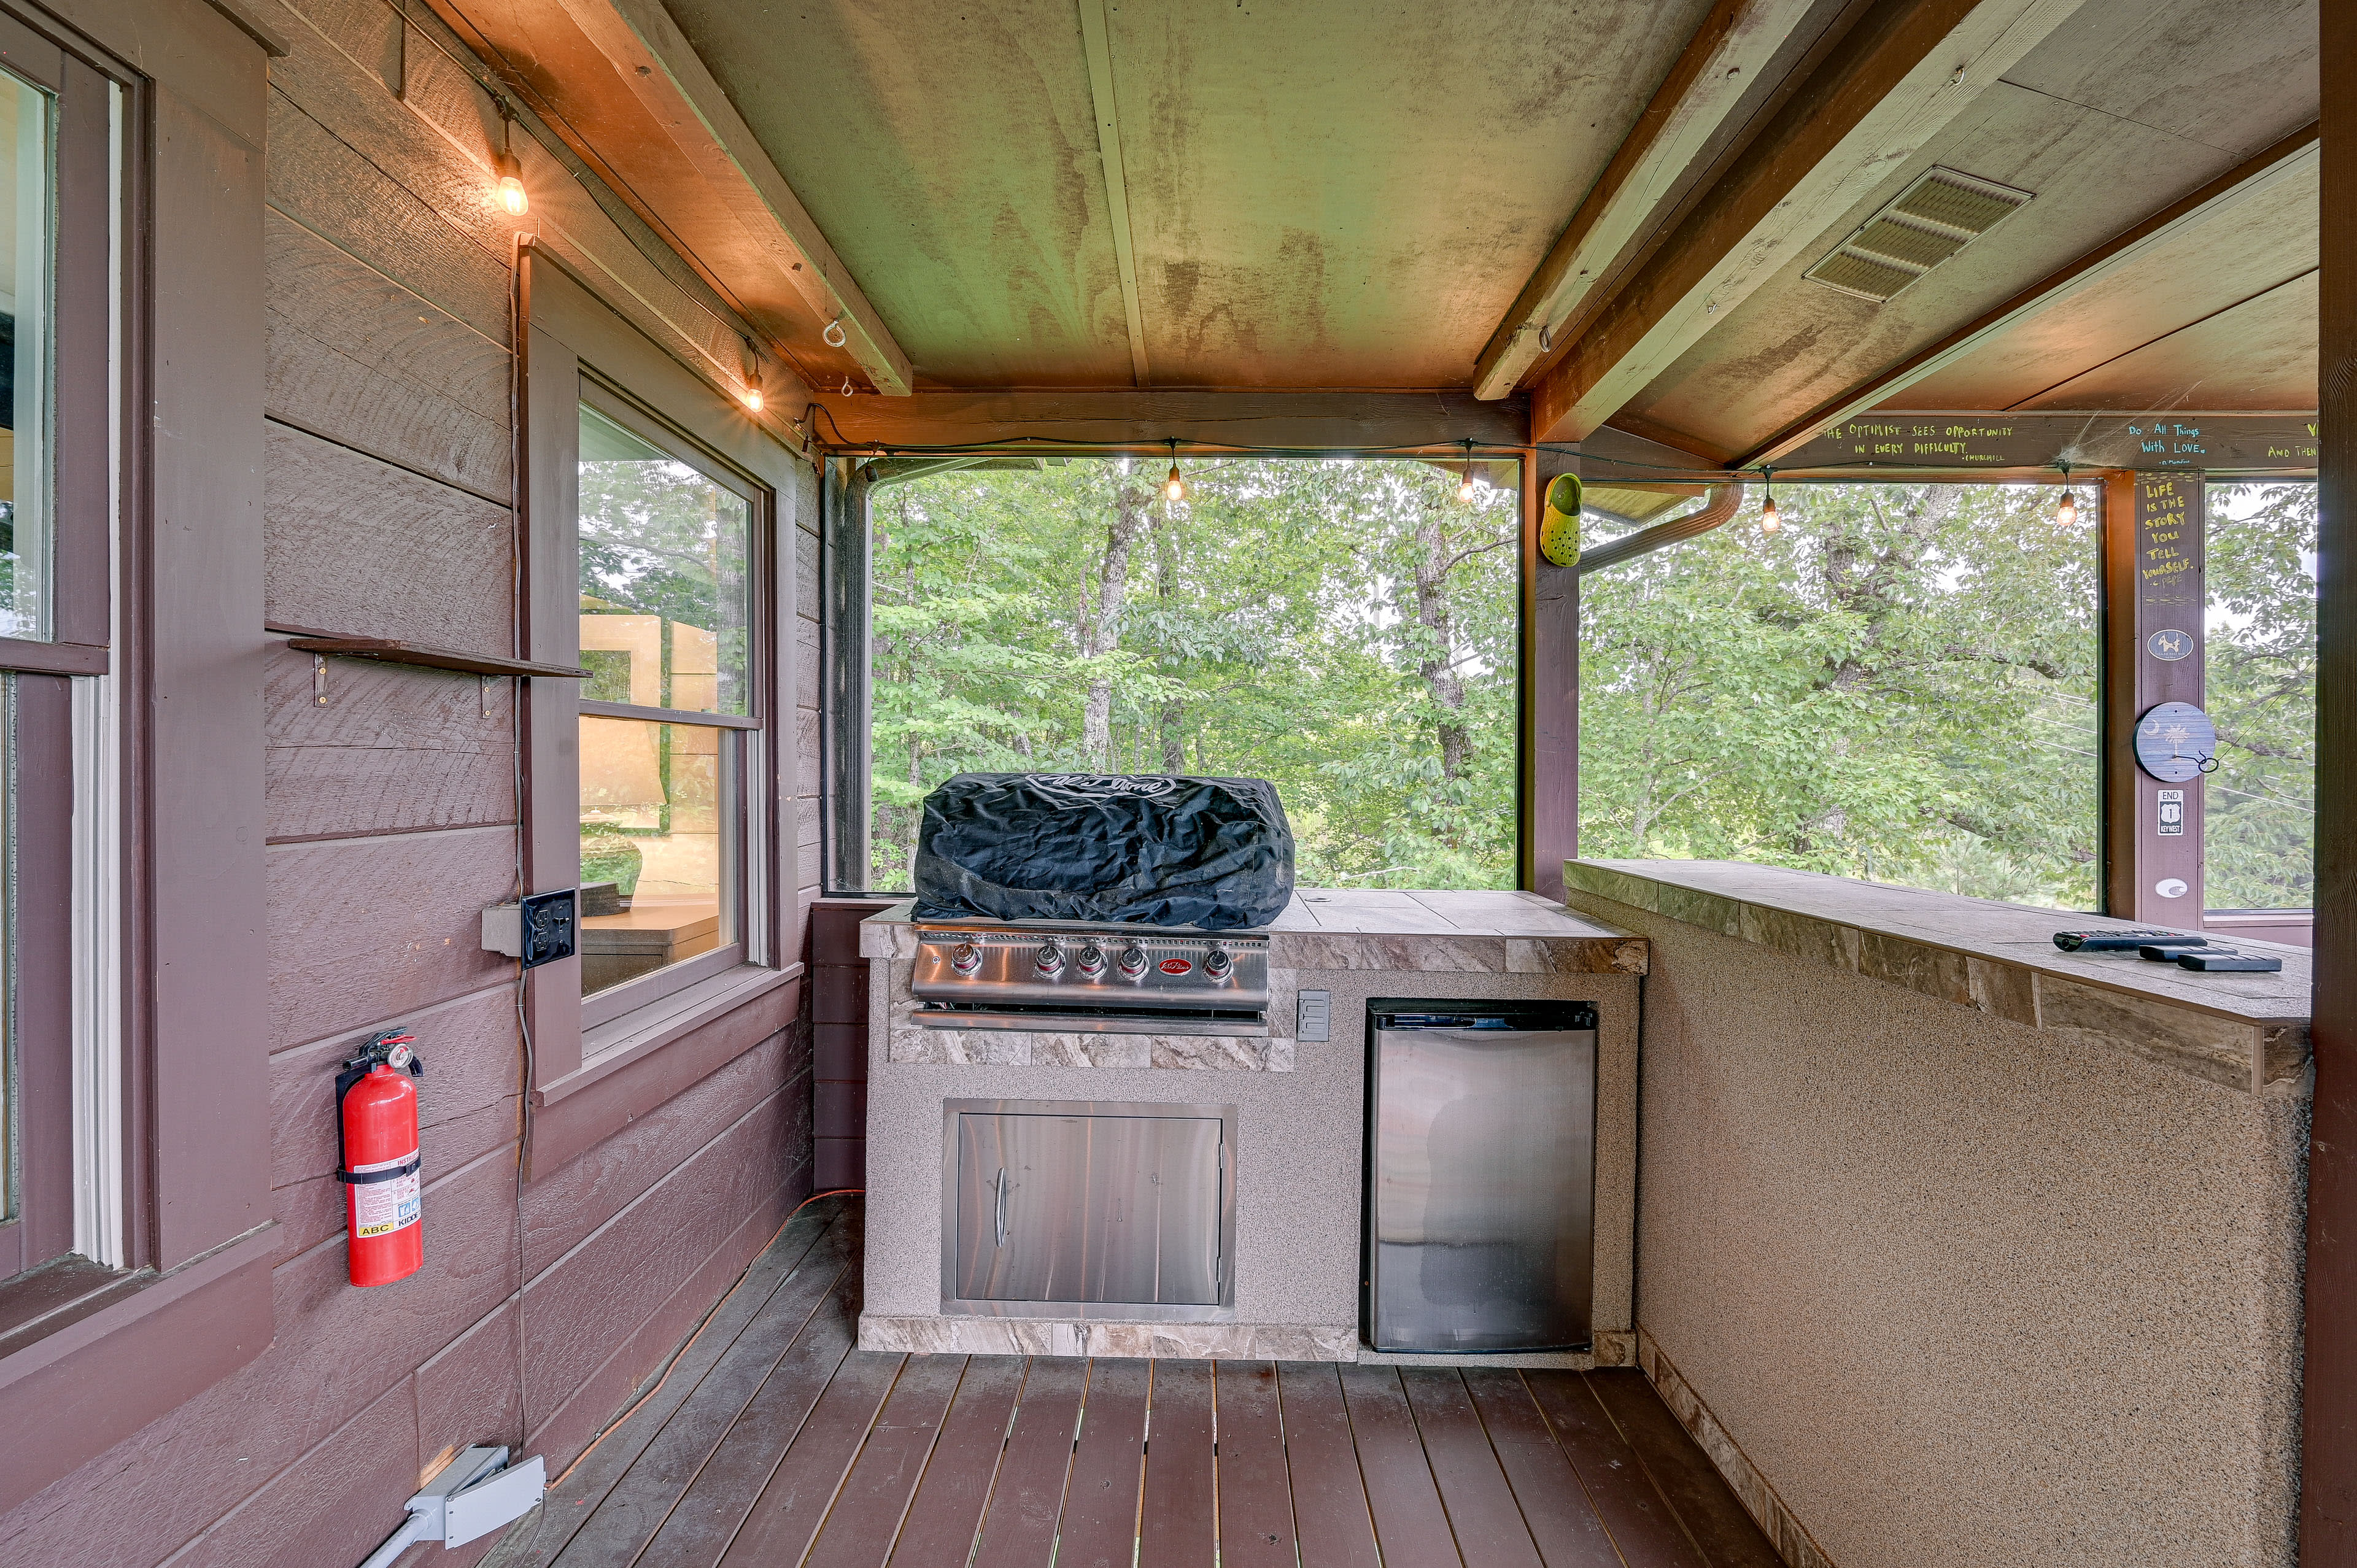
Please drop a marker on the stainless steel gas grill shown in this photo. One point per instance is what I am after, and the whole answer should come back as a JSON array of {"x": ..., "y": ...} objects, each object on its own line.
[{"x": 1113, "y": 979}]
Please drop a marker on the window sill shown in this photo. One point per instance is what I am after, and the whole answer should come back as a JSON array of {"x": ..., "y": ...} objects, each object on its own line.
[
  {"x": 80, "y": 1374},
  {"x": 609, "y": 1047}
]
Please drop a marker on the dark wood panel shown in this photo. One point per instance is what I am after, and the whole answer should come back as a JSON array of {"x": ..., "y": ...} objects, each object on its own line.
[
  {"x": 321, "y": 183},
  {"x": 1554, "y": 1503},
  {"x": 834, "y": 929},
  {"x": 1179, "y": 1506},
  {"x": 364, "y": 929},
  {"x": 338, "y": 1501},
  {"x": 576, "y": 1309},
  {"x": 358, "y": 358},
  {"x": 840, "y": 1053},
  {"x": 1019, "y": 1531},
  {"x": 839, "y": 1164},
  {"x": 1144, "y": 418},
  {"x": 700, "y": 1529},
  {"x": 865, "y": 1518},
  {"x": 1642, "y": 1525},
  {"x": 562, "y": 1208},
  {"x": 1255, "y": 1496},
  {"x": 1482, "y": 1513},
  {"x": 391, "y": 750},
  {"x": 641, "y": 1496},
  {"x": 839, "y": 994},
  {"x": 786, "y": 1517},
  {"x": 1098, "y": 1528},
  {"x": 945, "y": 1516},
  {"x": 840, "y": 1110},
  {"x": 1329, "y": 1494},
  {"x": 1411, "y": 1526},
  {"x": 357, "y": 547},
  {"x": 1684, "y": 1473},
  {"x": 468, "y": 1388}
]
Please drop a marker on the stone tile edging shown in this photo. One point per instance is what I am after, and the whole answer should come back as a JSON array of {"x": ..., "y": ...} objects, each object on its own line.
[
  {"x": 2234, "y": 1053},
  {"x": 1783, "y": 1528}
]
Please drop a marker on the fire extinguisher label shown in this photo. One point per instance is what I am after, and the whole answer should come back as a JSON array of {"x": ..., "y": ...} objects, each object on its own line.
[{"x": 382, "y": 1208}]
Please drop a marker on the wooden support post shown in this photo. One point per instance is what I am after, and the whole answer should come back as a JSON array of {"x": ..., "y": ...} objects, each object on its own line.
[
  {"x": 2328, "y": 1504},
  {"x": 1550, "y": 693},
  {"x": 2154, "y": 599}
]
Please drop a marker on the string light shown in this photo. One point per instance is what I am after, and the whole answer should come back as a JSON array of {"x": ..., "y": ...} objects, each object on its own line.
[
  {"x": 2066, "y": 510},
  {"x": 752, "y": 377},
  {"x": 1770, "y": 519},
  {"x": 1174, "y": 488},
  {"x": 503, "y": 163},
  {"x": 1465, "y": 476}
]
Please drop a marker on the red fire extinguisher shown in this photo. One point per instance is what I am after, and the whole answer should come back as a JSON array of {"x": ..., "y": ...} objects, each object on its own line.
[{"x": 377, "y": 1124}]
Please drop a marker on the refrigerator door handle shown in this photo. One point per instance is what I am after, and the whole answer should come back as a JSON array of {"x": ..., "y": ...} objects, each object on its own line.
[{"x": 998, "y": 1209}]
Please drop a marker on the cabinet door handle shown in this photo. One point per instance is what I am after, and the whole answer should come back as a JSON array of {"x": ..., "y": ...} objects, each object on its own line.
[{"x": 998, "y": 1209}]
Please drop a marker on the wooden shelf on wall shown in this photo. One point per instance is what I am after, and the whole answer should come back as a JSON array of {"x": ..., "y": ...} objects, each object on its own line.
[{"x": 391, "y": 651}]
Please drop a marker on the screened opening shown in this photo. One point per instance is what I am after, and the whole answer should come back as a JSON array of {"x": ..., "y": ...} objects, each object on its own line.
[
  {"x": 2259, "y": 836},
  {"x": 1345, "y": 628},
  {"x": 1900, "y": 683}
]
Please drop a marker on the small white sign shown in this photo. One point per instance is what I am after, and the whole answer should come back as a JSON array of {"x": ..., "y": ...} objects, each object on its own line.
[{"x": 2171, "y": 887}]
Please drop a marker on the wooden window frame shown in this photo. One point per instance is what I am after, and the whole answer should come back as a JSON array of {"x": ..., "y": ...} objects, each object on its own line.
[
  {"x": 598, "y": 1063},
  {"x": 158, "y": 458}
]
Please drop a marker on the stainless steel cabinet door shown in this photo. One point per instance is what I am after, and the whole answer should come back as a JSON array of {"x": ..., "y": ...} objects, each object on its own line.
[
  {"x": 1483, "y": 1211},
  {"x": 1089, "y": 1209}
]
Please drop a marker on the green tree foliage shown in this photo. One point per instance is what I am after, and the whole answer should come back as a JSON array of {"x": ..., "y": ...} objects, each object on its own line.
[
  {"x": 1343, "y": 628},
  {"x": 2261, "y": 841},
  {"x": 1899, "y": 685}
]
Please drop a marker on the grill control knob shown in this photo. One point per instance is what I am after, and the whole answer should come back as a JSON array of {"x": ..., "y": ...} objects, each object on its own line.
[
  {"x": 1091, "y": 960},
  {"x": 1218, "y": 964},
  {"x": 1132, "y": 960},
  {"x": 966, "y": 958},
  {"x": 1051, "y": 959}
]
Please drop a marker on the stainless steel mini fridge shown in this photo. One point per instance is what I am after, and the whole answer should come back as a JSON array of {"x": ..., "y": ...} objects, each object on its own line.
[{"x": 1480, "y": 1174}]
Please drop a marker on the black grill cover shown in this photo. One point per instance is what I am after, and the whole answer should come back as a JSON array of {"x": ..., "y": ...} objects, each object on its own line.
[{"x": 1213, "y": 853}]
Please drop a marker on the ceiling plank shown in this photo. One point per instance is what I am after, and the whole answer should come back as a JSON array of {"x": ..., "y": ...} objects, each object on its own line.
[
  {"x": 1719, "y": 65},
  {"x": 1148, "y": 419},
  {"x": 2292, "y": 155},
  {"x": 654, "y": 58},
  {"x": 1099, "y": 46},
  {"x": 1905, "y": 70}
]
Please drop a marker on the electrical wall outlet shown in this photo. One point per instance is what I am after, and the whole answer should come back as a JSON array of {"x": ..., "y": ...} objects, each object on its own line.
[{"x": 538, "y": 930}]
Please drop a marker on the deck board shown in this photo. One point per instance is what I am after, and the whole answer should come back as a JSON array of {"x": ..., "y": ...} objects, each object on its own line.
[
  {"x": 773, "y": 1440},
  {"x": 1178, "y": 1510},
  {"x": 1255, "y": 1523},
  {"x": 946, "y": 1514},
  {"x": 1099, "y": 1527},
  {"x": 1019, "y": 1529}
]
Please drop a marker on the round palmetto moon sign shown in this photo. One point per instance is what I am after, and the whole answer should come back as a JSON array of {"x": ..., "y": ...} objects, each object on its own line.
[{"x": 2176, "y": 741}]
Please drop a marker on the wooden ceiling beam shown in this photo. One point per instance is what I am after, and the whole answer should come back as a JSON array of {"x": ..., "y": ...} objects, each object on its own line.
[
  {"x": 1147, "y": 419},
  {"x": 1720, "y": 64},
  {"x": 2287, "y": 157},
  {"x": 659, "y": 64},
  {"x": 1904, "y": 70}
]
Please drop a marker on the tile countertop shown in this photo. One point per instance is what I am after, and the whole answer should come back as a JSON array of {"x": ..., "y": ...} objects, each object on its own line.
[
  {"x": 2241, "y": 1030},
  {"x": 1471, "y": 931}
]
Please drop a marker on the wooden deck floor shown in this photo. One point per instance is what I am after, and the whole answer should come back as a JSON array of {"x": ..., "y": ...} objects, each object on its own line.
[{"x": 772, "y": 1442}]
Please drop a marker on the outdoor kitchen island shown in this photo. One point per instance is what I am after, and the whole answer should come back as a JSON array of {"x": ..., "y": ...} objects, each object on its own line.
[{"x": 1295, "y": 1110}]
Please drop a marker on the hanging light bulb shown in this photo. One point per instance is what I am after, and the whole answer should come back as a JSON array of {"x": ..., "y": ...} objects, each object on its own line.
[
  {"x": 2066, "y": 510},
  {"x": 1174, "y": 488},
  {"x": 752, "y": 366},
  {"x": 1465, "y": 483},
  {"x": 511, "y": 187},
  {"x": 1770, "y": 519}
]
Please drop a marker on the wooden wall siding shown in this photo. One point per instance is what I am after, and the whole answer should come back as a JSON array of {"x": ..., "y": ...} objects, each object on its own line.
[
  {"x": 387, "y": 485},
  {"x": 355, "y": 545},
  {"x": 838, "y": 1013},
  {"x": 393, "y": 749}
]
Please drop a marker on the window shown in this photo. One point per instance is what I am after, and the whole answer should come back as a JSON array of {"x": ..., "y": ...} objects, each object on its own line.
[
  {"x": 654, "y": 782},
  {"x": 1346, "y": 629},
  {"x": 666, "y": 616},
  {"x": 2259, "y": 835},
  {"x": 1899, "y": 685}
]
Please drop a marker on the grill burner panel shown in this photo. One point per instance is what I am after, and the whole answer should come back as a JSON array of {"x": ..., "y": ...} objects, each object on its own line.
[{"x": 1110, "y": 979}]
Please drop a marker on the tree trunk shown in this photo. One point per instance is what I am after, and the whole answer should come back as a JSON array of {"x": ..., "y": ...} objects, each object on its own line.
[
  {"x": 1174, "y": 709},
  {"x": 1439, "y": 671},
  {"x": 1101, "y": 631}
]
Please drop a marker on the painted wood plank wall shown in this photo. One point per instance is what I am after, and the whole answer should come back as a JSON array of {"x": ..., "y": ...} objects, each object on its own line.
[{"x": 391, "y": 819}]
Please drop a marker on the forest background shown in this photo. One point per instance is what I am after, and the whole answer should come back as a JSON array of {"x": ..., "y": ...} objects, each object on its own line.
[{"x": 1899, "y": 684}]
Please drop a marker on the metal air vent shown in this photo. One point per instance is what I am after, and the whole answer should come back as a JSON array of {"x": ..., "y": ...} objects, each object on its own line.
[{"x": 1938, "y": 215}]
